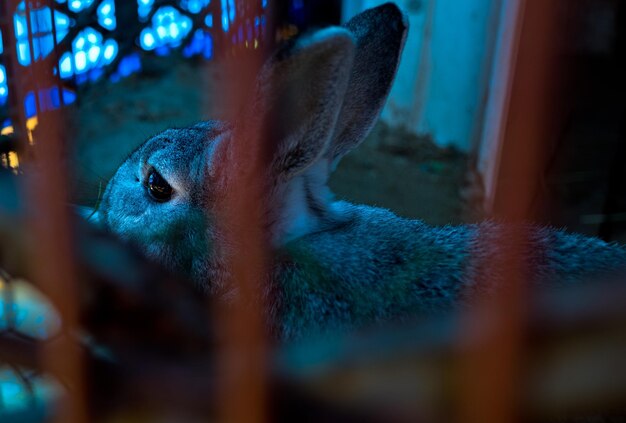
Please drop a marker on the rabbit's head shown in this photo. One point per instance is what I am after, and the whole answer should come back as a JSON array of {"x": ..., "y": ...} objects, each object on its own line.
[{"x": 314, "y": 100}]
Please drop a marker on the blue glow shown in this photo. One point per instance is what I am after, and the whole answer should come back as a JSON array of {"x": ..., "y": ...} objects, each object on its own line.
[
  {"x": 4, "y": 324},
  {"x": 106, "y": 15},
  {"x": 4, "y": 89},
  {"x": 147, "y": 40},
  {"x": 90, "y": 52},
  {"x": 65, "y": 65},
  {"x": 201, "y": 44},
  {"x": 93, "y": 54},
  {"x": 14, "y": 393},
  {"x": 69, "y": 97},
  {"x": 41, "y": 29},
  {"x": 231, "y": 10},
  {"x": 80, "y": 61},
  {"x": 225, "y": 21},
  {"x": 110, "y": 51},
  {"x": 194, "y": 6},
  {"x": 257, "y": 27},
  {"x": 19, "y": 397},
  {"x": 169, "y": 28},
  {"x": 78, "y": 5},
  {"x": 30, "y": 106},
  {"x": 1, "y": 43},
  {"x": 144, "y": 7},
  {"x": 162, "y": 51},
  {"x": 55, "y": 98},
  {"x": 127, "y": 66}
]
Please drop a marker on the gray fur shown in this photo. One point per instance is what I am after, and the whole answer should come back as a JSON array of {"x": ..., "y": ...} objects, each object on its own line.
[{"x": 336, "y": 265}]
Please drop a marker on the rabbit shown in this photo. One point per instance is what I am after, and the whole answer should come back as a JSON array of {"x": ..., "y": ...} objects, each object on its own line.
[{"x": 336, "y": 265}]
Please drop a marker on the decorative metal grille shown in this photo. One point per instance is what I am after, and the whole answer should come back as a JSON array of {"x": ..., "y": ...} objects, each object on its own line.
[{"x": 82, "y": 41}]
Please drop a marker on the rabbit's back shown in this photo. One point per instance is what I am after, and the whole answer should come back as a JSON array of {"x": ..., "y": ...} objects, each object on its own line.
[{"x": 378, "y": 267}]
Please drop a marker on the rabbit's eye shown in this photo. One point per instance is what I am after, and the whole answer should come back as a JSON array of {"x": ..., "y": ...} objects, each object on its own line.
[{"x": 158, "y": 187}]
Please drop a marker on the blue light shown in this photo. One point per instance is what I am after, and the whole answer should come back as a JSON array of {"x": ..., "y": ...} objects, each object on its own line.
[
  {"x": 55, "y": 98},
  {"x": 194, "y": 6},
  {"x": 162, "y": 50},
  {"x": 78, "y": 5},
  {"x": 4, "y": 90},
  {"x": 68, "y": 96},
  {"x": 80, "y": 59},
  {"x": 14, "y": 393},
  {"x": 169, "y": 28},
  {"x": 208, "y": 46},
  {"x": 231, "y": 10},
  {"x": 30, "y": 107},
  {"x": 146, "y": 39},
  {"x": 264, "y": 3},
  {"x": 174, "y": 32},
  {"x": 92, "y": 36},
  {"x": 110, "y": 51},
  {"x": 65, "y": 65},
  {"x": 41, "y": 29},
  {"x": 1, "y": 43},
  {"x": 20, "y": 27},
  {"x": 106, "y": 15},
  {"x": 93, "y": 54},
  {"x": 201, "y": 43},
  {"x": 144, "y": 7},
  {"x": 208, "y": 21},
  {"x": 127, "y": 66},
  {"x": 90, "y": 52},
  {"x": 3, "y": 75},
  {"x": 225, "y": 21}
]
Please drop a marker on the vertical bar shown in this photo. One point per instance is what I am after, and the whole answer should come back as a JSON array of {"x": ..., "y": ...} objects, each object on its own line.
[
  {"x": 53, "y": 267},
  {"x": 491, "y": 369},
  {"x": 31, "y": 49},
  {"x": 16, "y": 75},
  {"x": 242, "y": 380},
  {"x": 496, "y": 112},
  {"x": 56, "y": 57}
]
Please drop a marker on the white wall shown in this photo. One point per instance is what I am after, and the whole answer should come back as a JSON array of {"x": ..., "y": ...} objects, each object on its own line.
[{"x": 442, "y": 81}]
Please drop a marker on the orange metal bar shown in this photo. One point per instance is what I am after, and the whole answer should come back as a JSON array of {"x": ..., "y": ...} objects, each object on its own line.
[
  {"x": 493, "y": 350},
  {"x": 242, "y": 355},
  {"x": 53, "y": 268}
]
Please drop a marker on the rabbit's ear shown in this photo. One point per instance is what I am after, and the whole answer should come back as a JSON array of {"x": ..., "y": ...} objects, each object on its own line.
[
  {"x": 298, "y": 98},
  {"x": 380, "y": 34}
]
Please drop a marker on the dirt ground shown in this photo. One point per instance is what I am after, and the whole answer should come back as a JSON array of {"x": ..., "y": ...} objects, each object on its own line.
[{"x": 392, "y": 169}]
